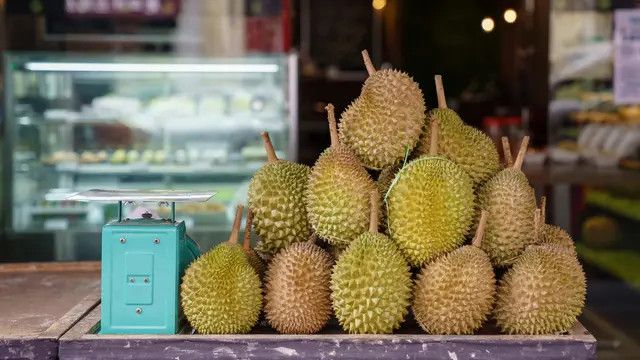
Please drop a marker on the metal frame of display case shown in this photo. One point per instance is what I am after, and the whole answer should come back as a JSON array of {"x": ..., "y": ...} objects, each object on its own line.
[{"x": 14, "y": 60}]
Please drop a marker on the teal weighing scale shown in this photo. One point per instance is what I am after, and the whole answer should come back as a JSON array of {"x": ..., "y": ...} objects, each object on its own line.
[{"x": 143, "y": 261}]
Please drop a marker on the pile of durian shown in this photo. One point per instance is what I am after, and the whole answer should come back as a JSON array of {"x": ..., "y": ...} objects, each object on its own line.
[{"x": 446, "y": 232}]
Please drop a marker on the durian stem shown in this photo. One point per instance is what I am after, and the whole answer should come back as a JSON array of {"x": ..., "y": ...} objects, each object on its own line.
[
  {"x": 367, "y": 62},
  {"x": 433, "y": 136},
  {"x": 268, "y": 146},
  {"x": 477, "y": 239},
  {"x": 246, "y": 242},
  {"x": 506, "y": 149},
  {"x": 333, "y": 126},
  {"x": 523, "y": 150},
  {"x": 235, "y": 230},
  {"x": 374, "y": 215},
  {"x": 442, "y": 99},
  {"x": 543, "y": 209},
  {"x": 536, "y": 225}
]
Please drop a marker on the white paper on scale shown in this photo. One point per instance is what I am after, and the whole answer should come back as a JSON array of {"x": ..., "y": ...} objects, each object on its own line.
[{"x": 626, "y": 39}]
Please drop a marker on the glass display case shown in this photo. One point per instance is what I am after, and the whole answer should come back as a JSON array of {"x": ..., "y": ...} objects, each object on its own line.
[{"x": 76, "y": 122}]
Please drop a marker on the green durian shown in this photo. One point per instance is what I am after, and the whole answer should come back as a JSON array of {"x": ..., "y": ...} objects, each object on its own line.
[
  {"x": 465, "y": 145},
  {"x": 338, "y": 192},
  {"x": 454, "y": 294},
  {"x": 510, "y": 202},
  {"x": 548, "y": 234},
  {"x": 277, "y": 198},
  {"x": 542, "y": 293},
  {"x": 298, "y": 290},
  {"x": 386, "y": 120},
  {"x": 371, "y": 282},
  {"x": 220, "y": 292},
  {"x": 430, "y": 207}
]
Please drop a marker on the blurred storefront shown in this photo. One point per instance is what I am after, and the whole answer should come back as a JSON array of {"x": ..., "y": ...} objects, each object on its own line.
[{"x": 92, "y": 90}]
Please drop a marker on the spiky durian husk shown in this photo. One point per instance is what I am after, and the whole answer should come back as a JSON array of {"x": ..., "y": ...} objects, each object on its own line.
[
  {"x": 554, "y": 235},
  {"x": 454, "y": 294},
  {"x": 465, "y": 145},
  {"x": 208, "y": 285},
  {"x": 385, "y": 121},
  {"x": 256, "y": 262},
  {"x": 297, "y": 297},
  {"x": 277, "y": 199},
  {"x": 338, "y": 196},
  {"x": 384, "y": 183},
  {"x": 543, "y": 293},
  {"x": 510, "y": 203},
  {"x": 430, "y": 207},
  {"x": 371, "y": 286}
]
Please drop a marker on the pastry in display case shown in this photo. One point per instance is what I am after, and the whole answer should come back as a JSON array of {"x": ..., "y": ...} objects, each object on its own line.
[{"x": 82, "y": 122}]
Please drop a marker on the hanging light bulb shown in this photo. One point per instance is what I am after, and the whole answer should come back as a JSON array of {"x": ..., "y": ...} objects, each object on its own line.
[
  {"x": 379, "y": 4},
  {"x": 510, "y": 16},
  {"x": 487, "y": 24}
]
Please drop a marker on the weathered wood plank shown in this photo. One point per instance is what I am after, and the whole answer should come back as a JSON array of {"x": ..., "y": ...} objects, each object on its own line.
[
  {"x": 81, "y": 343},
  {"x": 40, "y": 302}
]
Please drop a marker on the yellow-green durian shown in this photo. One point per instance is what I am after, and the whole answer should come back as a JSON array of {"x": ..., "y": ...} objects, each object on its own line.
[
  {"x": 430, "y": 207},
  {"x": 277, "y": 198},
  {"x": 510, "y": 202},
  {"x": 454, "y": 294},
  {"x": 338, "y": 192},
  {"x": 220, "y": 292},
  {"x": 465, "y": 145},
  {"x": 371, "y": 283},
  {"x": 297, "y": 299},
  {"x": 542, "y": 293},
  {"x": 385, "y": 121}
]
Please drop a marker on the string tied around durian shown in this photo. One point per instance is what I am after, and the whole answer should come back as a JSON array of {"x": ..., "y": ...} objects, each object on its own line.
[
  {"x": 367, "y": 62},
  {"x": 479, "y": 235},
  {"x": 333, "y": 125},
  {"x": 268, "y": 146},
  {"x": 246, "y": 242},
  {"x": 235, "y": 229}
]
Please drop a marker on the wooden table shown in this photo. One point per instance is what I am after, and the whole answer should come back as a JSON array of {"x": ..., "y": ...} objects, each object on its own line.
[
  {"x": 82, "y": 342},
  {"x": 40, "y": 301}
]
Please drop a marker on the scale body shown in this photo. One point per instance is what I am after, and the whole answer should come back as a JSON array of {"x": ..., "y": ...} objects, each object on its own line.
[{"x": 143, "y": 261}]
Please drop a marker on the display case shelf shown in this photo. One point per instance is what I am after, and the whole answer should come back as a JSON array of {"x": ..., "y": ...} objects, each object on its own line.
[{"x": 76, "y": 122}]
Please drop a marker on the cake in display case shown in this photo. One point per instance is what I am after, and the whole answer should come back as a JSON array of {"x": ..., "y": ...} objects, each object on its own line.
[{"x": 78, "y": 122}]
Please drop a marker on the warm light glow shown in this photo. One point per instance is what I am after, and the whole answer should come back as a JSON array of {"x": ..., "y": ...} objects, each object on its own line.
[
  {"x": 510, "y": 16},
  {"x": 150, "y": 67},
  {"x": 379, "y": 4},
  {"x": 487, "y": 24}
]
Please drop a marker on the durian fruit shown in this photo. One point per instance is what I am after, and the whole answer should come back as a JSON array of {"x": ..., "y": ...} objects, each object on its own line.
[
  {"x": 600, "y": 231},
  {"x": 385, "y": 121},
  {"x": 454, "y": 294},
  {"x": 542, "y": 293},
  {"x": 254, "y": 260},
  {"x": 430, "y": 206},
  {"x": 297, "y": 297},
  {"x": 371, "y": 282},
  {"x": 510, "y": 202},
  {"x": 277, "y": 198},
  {"x": 465, "y": 145},
  {"x": 220, "y": 292},
  {"x": 551, "y": 234},
  {"x": 338, "y": 192}
]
